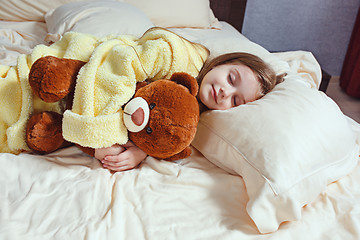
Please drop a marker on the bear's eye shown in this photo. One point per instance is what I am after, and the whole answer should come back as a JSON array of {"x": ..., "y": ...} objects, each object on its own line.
[
  {"x": 152, "y": 105},
  {"x": 148, "y": 130}
]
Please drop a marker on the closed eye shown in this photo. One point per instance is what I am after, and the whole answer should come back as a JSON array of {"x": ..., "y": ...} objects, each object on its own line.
[
  {"x": 237, "y": 101},
  {"x": 231, "y": 79},
  {"x": 234, "y": 101}
]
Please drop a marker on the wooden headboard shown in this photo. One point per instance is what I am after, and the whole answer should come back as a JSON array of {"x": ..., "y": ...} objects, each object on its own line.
[{"x": 231, "y": 11}]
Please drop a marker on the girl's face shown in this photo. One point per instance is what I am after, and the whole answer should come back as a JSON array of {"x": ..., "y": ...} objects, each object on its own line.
[{"x": 229, "y": 85}]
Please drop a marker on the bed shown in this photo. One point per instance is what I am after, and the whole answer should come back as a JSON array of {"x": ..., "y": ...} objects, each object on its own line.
[{"x": 283, "y": 167}]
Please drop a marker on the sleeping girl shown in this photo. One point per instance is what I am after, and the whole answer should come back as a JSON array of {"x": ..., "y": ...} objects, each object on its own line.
[{"x": 226, "y": 81}]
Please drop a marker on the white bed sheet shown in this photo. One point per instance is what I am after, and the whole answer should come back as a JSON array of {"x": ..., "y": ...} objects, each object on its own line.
[
  {"x": 19, "y": 38},
  {"x": 68, "y": 195}
]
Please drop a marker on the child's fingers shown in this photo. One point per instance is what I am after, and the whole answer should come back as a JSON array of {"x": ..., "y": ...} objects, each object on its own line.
[
  {"x": 117, "y": 158},
  {"x": 118, "y": 168},
  {"x": 114, "y": 163},
  {"x": 119, "y": 165},
  {"x": 125, "y": 160}
]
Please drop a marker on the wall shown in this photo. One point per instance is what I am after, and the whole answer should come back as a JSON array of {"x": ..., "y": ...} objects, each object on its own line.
[{"x": 321, "y": 26}]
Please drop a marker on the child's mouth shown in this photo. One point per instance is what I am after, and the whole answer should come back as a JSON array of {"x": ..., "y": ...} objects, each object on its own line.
[{"x": 214, "y": 94}]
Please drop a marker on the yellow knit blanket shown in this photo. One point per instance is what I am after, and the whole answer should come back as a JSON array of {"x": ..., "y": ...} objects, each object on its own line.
[{"x": 104, "y": 83}]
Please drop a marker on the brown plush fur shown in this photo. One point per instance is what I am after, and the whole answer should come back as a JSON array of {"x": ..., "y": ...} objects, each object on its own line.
[
  {"x": 52, "y": 78},
  {"x": 44, "y": 132},
  {"x": 173, "y": 121}
]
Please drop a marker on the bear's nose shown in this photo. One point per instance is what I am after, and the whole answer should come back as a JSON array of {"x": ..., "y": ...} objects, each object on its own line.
[{"x": 136, "y": 114}]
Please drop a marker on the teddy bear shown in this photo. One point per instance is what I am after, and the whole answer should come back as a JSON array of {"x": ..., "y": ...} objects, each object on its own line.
[{"x": 161, "y": 117}]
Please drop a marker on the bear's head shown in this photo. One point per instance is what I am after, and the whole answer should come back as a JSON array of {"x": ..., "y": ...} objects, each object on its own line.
[{"x": 163, "y": 116}]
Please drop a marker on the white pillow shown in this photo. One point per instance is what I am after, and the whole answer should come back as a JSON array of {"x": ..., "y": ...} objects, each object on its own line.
[
  {"x": 288, "y": 146},
  {"x": 240, "y": 43},
  {"x": 20, "y": 10},
  {"x": 228, "y": 40},
  {"x": 164, "y": 13},
  {"x": 175, "y": 13},
  {"x": 99, "y": 18}
]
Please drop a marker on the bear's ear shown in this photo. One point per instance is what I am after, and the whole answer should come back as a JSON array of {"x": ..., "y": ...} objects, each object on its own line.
[
  {"x": 181, "y": 155},
  {"x": 140, "y": 85},
  {"x": 187, "y": 81}
]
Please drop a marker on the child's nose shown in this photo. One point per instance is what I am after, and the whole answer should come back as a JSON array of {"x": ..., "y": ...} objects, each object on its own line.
[{"x": 224, "y": 93}]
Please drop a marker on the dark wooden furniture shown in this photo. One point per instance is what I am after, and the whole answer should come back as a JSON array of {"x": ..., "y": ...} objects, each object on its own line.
[
  {"x": 350, "y": 73},
  {"x": 231, "y": 11},
  {"x": 325, "y": 79}
]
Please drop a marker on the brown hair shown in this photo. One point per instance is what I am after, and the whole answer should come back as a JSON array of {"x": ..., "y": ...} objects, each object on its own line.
[{"x": 265, "y": 74}]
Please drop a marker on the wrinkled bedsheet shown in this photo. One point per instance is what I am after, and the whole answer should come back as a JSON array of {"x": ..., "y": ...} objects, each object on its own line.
[
  {"x": 67, "y": 195},
  {"x": 19, "y": 38}
]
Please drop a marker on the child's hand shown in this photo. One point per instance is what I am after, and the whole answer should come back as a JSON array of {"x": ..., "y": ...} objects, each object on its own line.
[
  {"x": 101, "y": 153},
  {"x": 129, "y": 158}
]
